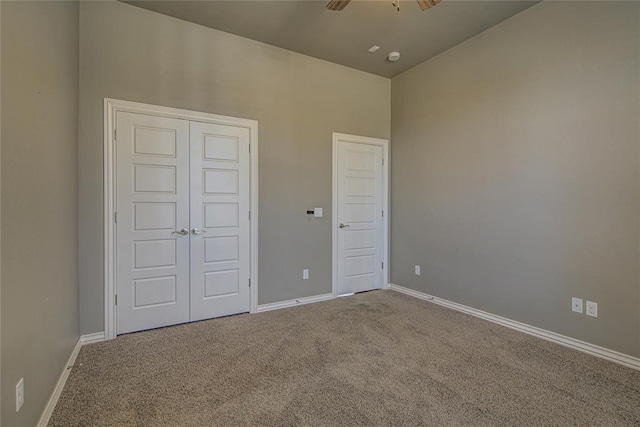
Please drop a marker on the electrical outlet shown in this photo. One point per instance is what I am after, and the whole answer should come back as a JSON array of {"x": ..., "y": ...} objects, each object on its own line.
[
  {"x": 592, "y": 309},
  {"x": 305, "y": 274},
  {"x": 19, "y": 394},
  {"x": 417, "y": 270},
  {"x": 576, "y": 305}
]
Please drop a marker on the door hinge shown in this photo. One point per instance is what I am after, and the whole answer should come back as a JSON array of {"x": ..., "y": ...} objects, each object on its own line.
[
  {"x": 382, "y": 214},
  {"x": 116, "y": 299},
  {"x": 249, "y": 147},
  {"x": 249, "y": 215},
  {"x": 249, "y": 281},
  {"x": 383, "y": 162},
  {"x": 115, "y": 134},
  {"x": 382, "y": 266},
  {"x": 115, "y": 217}
]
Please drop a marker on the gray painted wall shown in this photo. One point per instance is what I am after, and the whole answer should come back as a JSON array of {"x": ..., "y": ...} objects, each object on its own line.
[
  {"x": 0, "y": 210},
  {"x": 515, "y": 174},
  {"x": 40, "y": 323},
  {"x": 133, "y": 54}
]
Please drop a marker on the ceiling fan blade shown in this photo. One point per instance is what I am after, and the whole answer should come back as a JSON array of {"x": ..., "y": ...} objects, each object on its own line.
[
  {"x": 426, "y": 4},
  {"x": 338, "y": 4}
]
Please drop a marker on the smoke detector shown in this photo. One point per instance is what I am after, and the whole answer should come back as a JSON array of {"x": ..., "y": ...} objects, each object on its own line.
[{"x": 393, "y": 56}]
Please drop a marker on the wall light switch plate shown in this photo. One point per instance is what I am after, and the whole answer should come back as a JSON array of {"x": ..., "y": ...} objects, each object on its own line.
[
  {"x": 305, "y": 274},
  {"x": 592, "y": 309},
  {"x": 19, "y": 394},
  {"x": 576, "y": 305},
  {"x": 417, "y": 270},
  {"x": 317, "y": 212}
]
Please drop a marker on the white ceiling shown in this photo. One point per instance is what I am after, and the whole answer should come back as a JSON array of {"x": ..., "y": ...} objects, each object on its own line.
[{"x": 306, "y": 26}]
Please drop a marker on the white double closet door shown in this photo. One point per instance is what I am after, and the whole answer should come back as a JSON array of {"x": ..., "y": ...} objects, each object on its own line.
[{"x": 182, "y": 224}]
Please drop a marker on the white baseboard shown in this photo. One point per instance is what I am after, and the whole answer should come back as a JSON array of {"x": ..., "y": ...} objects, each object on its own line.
[
  {"x": 585, "y": 347},
  {"x": 293, "y": 302},
  {"x": 53, "y": 400},
  {"x": 92, "y": 338},
  {"x": 57, "y": 391}
]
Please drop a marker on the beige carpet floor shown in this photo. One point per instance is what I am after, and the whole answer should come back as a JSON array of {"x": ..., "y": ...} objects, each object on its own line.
[{"x": 379, "y": 358}]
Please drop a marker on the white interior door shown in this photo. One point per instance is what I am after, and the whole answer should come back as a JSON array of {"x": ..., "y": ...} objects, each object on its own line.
[
  {"x": 220, "y": 241},
  {"x": 360, "y": 234},
  {"x": 183, "y": 225},
  {"x": 152, "y": 204}
]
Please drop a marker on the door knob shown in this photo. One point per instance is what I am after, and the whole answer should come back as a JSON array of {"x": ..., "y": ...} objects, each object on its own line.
[
  {"x": 344, "y": 225},
  {"x": 182, "y": 232},
  {"x": 198, "y": 231}
]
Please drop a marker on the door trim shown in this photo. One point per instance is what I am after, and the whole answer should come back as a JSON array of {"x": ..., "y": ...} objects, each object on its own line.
[
  {"x": 384, "y": 143},
  {"x": 111, "y": 107}
]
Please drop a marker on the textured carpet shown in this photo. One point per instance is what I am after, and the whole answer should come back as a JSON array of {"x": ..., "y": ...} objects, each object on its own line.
[{"x": 379, "y": 358}]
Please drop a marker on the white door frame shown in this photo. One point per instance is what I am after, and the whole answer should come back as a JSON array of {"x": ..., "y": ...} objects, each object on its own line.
[
  {"x": 111, "y": 107},
  {"x": 384, "y": 143}
]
